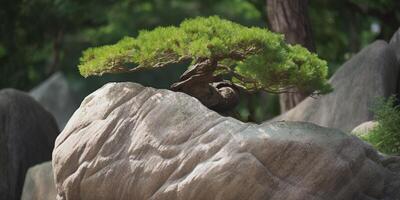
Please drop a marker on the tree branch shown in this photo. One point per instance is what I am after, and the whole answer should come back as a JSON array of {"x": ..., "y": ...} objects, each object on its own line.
[{"x": 117, "y": 67}]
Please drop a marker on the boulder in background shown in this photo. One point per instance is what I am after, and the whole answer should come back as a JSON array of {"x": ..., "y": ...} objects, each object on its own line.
[
  {"x": 373, "y": 72},
  {"x": 39, "y": 183},
  {"x": 27, "y": 135},
  {"x": 395, "y": 44},
  {"x": 56, "y": 96},
  {"x": 364, "y": 128}
]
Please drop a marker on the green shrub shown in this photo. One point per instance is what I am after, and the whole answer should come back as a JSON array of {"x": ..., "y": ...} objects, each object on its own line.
[{"x": 386, "y": 135}]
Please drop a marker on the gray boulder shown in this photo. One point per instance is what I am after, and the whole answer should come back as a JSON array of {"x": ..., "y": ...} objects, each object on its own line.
[
  {"x": 27, "y": 135},
  {"x": 395, "y": 44},
  {"x": 372, "y": 73},
  {"x": 131, "y": 142},
  {"x": 39, "y": 183},
  {"x": 56, "y": 96},
  {"x": 393, "y": 189}
]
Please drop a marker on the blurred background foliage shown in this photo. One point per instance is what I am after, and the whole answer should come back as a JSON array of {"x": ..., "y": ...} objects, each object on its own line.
[{"x": 40, "y": 37}]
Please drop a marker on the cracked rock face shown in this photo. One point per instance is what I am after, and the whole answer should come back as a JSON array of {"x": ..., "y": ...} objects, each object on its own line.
[{"x": 127, "y": 141}]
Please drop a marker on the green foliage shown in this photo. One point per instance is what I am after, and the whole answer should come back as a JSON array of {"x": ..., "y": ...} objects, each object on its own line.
[
  {"x": 386, "y": 136},
  {"x": 342, "y": 27},
  {"x": 256, "y": 58},
  {"x": 381, "y": 5},
  {"x": 29, "y": 30},
  {"x": 31, "y": 36}
]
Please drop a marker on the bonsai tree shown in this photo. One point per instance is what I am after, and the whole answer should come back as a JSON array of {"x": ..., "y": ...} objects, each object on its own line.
[{"x": 226, "y": 58}]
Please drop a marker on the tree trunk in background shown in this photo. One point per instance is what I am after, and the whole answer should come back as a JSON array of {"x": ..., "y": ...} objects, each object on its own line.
[{"x": 290, "y": 18}]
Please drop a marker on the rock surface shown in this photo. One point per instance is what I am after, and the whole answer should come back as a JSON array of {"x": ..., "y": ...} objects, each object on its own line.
[
  {"x": 39, "y": 183},
  {"x": 27, "y": 135},
  {"x": 393, "y": 164},
  {"x": 373, "y": 72},
  {"x": 131, "y": 142},
  {"x": 364, "y": 128},
  {"x": 56, "y": 96},
  {"x": 395, "y": 44}
]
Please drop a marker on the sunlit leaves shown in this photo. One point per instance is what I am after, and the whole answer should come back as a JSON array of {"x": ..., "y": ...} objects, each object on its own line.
[{"x": 254, "y": 58}]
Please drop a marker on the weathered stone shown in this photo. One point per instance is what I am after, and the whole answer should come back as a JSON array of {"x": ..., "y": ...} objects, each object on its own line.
[
  {"x": 395, "y": 44},
  {"x": 393, "y": 189},
  {"x": 39, "y": 183},
  {"x": 364, "y": 128},
  {"x": 27, "y": 135},
  {"x": 131, "y": 142},
  {"x": 372, "y": 73},
  {"x": 56, "y": 96}
]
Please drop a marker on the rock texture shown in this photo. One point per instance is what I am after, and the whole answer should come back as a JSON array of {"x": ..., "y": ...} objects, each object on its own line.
[
  {"x": 131, "y": 142},
  {"x": 395, "y": 44},
  {"x": 27, "y": 135},
  {"x": 56, "y": 96},
  {"x": 39, "y": 183},
  {"x": 373, "y": 72},
  {"x": 364, "y": 128}
]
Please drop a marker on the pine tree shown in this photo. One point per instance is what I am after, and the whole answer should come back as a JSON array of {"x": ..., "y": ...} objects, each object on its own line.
[{"x": 226, "y": 58}]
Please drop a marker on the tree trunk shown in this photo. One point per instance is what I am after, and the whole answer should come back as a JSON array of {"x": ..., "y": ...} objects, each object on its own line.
[
  {"x": 290, "y": 18},
  {"x": 212, "y": 91},
  {"x": 54, "y": 63}
]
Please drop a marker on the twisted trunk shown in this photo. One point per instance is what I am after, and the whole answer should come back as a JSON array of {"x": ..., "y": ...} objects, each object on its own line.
[
  {"x": 212, "y": 91},
  {"x": 290, "y": 18}
]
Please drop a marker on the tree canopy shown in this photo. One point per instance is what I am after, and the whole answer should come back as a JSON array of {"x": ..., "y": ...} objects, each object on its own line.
[{"x": 253, "y": 58}]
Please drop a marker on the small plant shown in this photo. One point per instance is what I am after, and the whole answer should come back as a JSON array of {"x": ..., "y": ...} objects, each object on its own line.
[
  {"x": 225, "y": 58},
  {"x": 386, "y": 135}
]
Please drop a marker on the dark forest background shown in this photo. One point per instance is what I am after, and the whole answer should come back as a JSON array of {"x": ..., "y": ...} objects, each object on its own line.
[{"x": 41, "y": 37}]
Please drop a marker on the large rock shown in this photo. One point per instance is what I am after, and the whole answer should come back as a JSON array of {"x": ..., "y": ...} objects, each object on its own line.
[
  {"x": 56, "y": 96},
  {"x": 131, "y": 142},
  {"x": 395, "y": 44},
  {"x": 393, "y": 164},
  {"x": 372, "y": 73},
  {"x": 27, "y": 135},
  {"x": 39, "y": 183}
]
